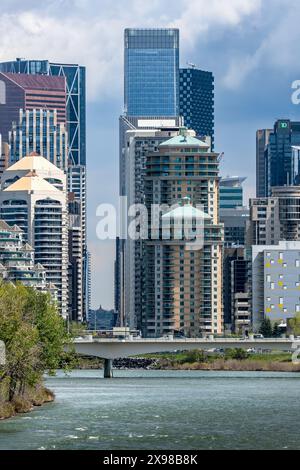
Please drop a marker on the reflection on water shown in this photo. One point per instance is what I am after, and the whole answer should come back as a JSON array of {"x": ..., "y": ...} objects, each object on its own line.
[{"x": 163, "y": 410}]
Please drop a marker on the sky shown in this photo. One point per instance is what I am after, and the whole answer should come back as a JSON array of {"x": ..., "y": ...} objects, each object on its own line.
[{"x": 251, "y": 46}]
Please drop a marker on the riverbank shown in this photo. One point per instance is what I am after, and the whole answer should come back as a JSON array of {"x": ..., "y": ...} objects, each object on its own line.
[
  {"x": 34, "y": 397},
  {"x": 234, "y": 360}
]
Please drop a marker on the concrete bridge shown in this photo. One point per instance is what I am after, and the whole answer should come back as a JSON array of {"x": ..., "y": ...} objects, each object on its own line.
[{"x": 110, "y": 349}]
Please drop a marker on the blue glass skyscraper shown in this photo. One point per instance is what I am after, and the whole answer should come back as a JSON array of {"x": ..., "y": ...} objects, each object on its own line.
[
  {"x": 278, "y": 157},
  {"x": 151, "y": 72}
]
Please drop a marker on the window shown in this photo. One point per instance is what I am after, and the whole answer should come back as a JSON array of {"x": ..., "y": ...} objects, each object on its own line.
[{"x": 2, "y": 92}]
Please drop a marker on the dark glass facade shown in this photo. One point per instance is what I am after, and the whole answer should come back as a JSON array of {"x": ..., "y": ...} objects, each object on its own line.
[
  {"x": 278, "y": 162},
  {"x": 151, "y": 72},
  {"x": 282, "y": 168},
  {"x": 196, "y": 98}
]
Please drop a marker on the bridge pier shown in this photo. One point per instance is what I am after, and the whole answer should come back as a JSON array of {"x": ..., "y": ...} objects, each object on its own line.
[{"x": 108, "y": 369}]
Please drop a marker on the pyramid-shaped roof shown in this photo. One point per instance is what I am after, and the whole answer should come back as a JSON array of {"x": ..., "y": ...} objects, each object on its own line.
[
  {"x": 32, "y": 182},
  {"x": 33, "y": 162}
]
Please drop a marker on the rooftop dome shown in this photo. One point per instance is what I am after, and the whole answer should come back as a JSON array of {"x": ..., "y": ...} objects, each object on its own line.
[{"x": 183, "y": 139}]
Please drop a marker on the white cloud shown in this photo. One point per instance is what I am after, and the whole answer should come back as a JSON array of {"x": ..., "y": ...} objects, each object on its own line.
[
  {"x": 278, "y": 50},
  {"x": 91, "y": 32},
  {"x": 202, "y": 16}
]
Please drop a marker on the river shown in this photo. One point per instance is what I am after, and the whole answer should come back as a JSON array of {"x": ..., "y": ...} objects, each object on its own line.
[{"x": 162, "y": 410}]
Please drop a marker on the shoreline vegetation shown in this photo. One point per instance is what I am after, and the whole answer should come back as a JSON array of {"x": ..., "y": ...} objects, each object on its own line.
[
  {"x": 35, "y": 337},
  {"x": 232, "y": 360},
  {"x": 26, "y": 403}
]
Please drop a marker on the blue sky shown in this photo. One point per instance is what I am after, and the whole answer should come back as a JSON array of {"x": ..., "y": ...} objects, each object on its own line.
[{"x": 252, "y": 46}]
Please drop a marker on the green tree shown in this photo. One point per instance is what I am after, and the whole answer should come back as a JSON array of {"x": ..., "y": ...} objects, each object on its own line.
[
  {"x": 239, "y": 354},
  {"x": 266, "y": 328},
  {"x": 294, "y": 324},
  {"x": 34, "y": 335},
  {"x": 276, "y": 331}
]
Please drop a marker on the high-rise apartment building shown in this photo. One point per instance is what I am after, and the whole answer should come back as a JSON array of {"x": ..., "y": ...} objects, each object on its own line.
[
  {"x": 151, "y": 86},
  {"x": 278, "y": 157},
  {"x": 183, "y": 288},
  {"x": 196, "y": 101},
  {"x": 38, "y": 131},
  {"x": 164, "y": 167},
  {"x": 34, "y": 197}
]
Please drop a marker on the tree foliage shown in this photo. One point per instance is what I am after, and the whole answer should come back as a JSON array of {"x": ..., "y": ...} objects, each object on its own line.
[
  {"x": 294, "y": 325},
  {"x": 266, "y": 328},
  {"x": 34, "y": 335}
]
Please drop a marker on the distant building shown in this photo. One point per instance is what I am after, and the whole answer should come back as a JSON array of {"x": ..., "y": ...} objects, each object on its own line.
[
  {"x": 236, "y": 289},
  {"x": 233, "y": 214},
  {"x": 278, "y": 162},
  {"x": 231, "y": 192},
  {"x": 102, "y": 319},
  {"x": 262, "y": 142},
  {"x": 275, "y": 218},
  {"x": 196, "y": 101},
  {"x": 275, "y": 282},
  {"x": 235, "y": 225},
  {"x": 34, "y": 197}
]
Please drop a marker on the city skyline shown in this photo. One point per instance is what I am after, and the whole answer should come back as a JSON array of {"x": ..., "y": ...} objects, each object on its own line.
[{"x": 249, "y": 38}]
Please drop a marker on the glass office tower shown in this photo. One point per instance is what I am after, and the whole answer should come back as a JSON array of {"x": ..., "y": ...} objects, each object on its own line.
[
  {"x": 278, "y": 156},
  {"x": 151, "y": 72}
]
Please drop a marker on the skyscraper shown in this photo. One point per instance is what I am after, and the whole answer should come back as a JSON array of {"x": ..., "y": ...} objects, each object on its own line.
[
  {"x": 183, "y": 288},
  {"x": 33, "y": 197},
  {"x": 262, "y": 141},
  {"x": 278, "y": 164},
  {"x": 196, "y": 101},
  {"x": 162, "y": 167},
  {"x": 151, "y": 72}
]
